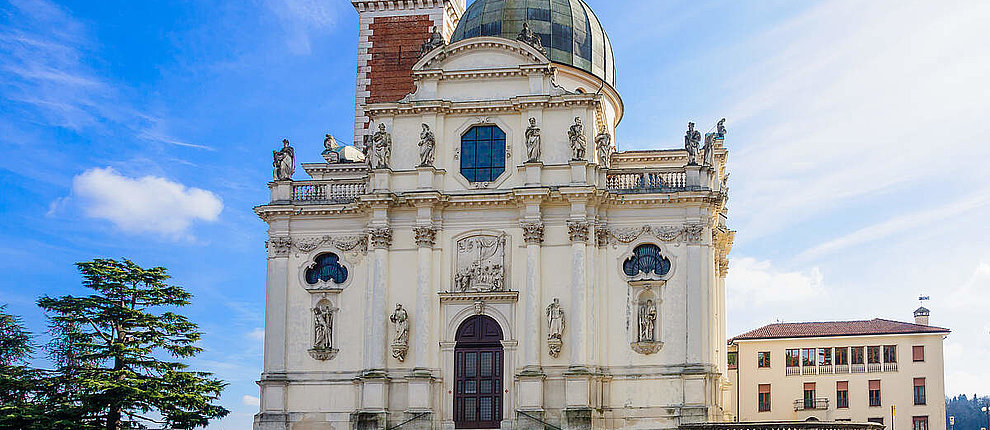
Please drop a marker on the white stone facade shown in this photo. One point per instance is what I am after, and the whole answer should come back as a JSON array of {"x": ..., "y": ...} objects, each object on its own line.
[{"x": 640, "y": 351}]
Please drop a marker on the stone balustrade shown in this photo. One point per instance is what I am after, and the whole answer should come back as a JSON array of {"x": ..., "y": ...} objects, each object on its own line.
[
  {"x": 327, "y": 191},
  {"x": 646, "y": 180}
]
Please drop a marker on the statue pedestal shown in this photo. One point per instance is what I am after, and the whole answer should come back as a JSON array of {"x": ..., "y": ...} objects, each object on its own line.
[
  {"x": 426, "y": 177},
  {"x": 374, "y": 392},
  {"x": 534, "y": 173},
  {"x": 530, "y": 399},
  {"x": 419, "y": 395},
  {"x": 579, "y": 172},
  {"x": 381, "y": 180},
  {"x": 281, "y": 190},
  {"x": 693, "y": 174}
]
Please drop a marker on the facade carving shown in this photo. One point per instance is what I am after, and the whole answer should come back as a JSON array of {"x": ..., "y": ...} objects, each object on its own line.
[
  {"x": 381, "y": 237},
  {"x": 355, "y": 243},
  {"x": 278, "y": 246},
  {"x": 603, "y": 142},
  {"x": 579, "y": 143},
  {"x": 378, "y": 152},
  {"x": 427, "y": 147},
  {"x": 480, "y": 264},
  {"x": 555, "y": 328},
  {"x": 694, "y": 233},
  {"x": 323, "y": 345},
  {"x": 532, "y": 232},
  {"x": 692, "y": 140},
  {"x": 533, "y": 142},
  {"x": 425, "y": 236},
  {"x": 400, "y": 338},
  {"x": 578, "y": 230}
]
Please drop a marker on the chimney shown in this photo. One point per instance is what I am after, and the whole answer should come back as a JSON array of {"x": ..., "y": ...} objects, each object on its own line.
[{"x": 921, "y": 316}]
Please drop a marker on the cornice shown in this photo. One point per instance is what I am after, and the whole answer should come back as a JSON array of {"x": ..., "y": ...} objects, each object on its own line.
[{"x": 514, "y": 104}]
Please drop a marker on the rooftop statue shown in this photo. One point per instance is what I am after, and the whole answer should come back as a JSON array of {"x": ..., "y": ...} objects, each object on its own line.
[
  {"x": 527, "y": 35},
  {"x": 578, "y": 142},
  {"x": 284, "y": 162},
  {"x": 532, "y": 142},
  {"x": 692, "y": 140},
  {"x": 708, "y": 152},
  {"x": 427, "y": 146},
  {"x": 720, "y": 128},
  {"x": 331, "y": 149},
  {"x": 435, "y": 41}
]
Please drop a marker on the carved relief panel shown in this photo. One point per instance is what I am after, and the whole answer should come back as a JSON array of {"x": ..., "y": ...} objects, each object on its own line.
[{"x": 480, "y": 263}]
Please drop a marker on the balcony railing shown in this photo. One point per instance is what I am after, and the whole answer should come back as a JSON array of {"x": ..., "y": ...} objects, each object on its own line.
[
  {"x": 816, "y": 404},
  {"x": 646, "y": 180},
  {"x": 327, "y": 191},
  {"x": 783, "y": 425},
  {"x": 829, "y": 369}
]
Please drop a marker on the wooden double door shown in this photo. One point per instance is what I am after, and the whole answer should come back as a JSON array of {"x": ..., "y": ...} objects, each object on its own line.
[{"x": 478, "y": 373}]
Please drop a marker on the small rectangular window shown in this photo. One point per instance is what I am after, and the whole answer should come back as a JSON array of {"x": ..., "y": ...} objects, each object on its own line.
[
  {"x": 919, "y": 391},
  {"x": 808, "y": 357},
  {"x": 919, "y": 423},
  {"x": 733, "y": 359},
  {"x": 873, "y": 354},
  {"x": 841, "y": 356},
  {"x": 857, "y": 355},
  {"x": 890, "y": 353},
  {"x": 875, "y": 392},
  {"x": 793, "y": 358},
  {"x": 809, "y": 395},
  {"x": 763, "y": 359},
  {"x": 824, "y": 356},
  {"x": 842, "y": 394},
  {"x": 918, "y": 353},
  {"x": 878, "y": 420},
  {"x": 764, "y": 397}
]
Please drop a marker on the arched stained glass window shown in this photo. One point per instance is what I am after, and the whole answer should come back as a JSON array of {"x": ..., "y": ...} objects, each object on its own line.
[
  {"x": 326, "y": 268},
  {"x": 483, "y": 153},
  {"x": 646, "y": 260}
]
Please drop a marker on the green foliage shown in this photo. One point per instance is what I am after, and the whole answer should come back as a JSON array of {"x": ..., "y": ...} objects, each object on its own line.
[
  {"x": 967, "y": 412},
  {"x": 112, "y": 350}
]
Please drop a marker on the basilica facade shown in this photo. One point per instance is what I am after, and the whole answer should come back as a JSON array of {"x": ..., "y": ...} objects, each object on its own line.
[{"x": 487, "y": 257}]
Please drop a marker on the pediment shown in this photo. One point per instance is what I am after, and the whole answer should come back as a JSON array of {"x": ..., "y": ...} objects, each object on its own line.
[{"x": 481, "y": 53}]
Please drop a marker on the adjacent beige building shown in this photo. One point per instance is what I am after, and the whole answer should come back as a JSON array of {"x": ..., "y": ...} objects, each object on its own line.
[{"x": 878, "y": 370}]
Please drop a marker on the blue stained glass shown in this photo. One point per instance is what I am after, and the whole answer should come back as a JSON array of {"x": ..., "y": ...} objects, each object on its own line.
[
  {"x": 326, "y": 269},
  {"x": 483, "y": 153},
  {"x": 646, "y": 259}
]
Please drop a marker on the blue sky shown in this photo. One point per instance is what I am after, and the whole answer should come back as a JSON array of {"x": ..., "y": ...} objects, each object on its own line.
[{"x": 857, "y": 133}]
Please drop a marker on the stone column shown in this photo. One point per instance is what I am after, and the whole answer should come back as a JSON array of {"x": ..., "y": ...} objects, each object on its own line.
[
  {"x": 273, "y": 412},
  {"x": 419, "y": 395},
  {"x": 577, "y": 325},
  {"x": 381, "y": 240},
  {"x": 530, "y": 380}
]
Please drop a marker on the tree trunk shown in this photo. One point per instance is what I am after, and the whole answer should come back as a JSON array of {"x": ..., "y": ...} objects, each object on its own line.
[{"x": 115, "y": 414}]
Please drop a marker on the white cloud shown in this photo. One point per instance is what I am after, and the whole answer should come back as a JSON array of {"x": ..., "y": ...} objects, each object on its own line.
[
  {"x": 250, "y": 400},
  {"x": 753, "y": 282},
  {"x": 968, "y": 347},
  {"x": 144, "y": 205},
  {"x": 257, "y": 334}
]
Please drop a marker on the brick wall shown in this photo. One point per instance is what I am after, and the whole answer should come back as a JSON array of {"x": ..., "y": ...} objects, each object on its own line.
[{"x": 395, "y": 43}]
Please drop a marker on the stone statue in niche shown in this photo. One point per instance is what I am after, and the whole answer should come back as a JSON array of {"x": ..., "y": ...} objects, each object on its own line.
[
  {"x": 692, "y": 140},
  {"x": 480, "y": 264},
  {"x": 284, "y": 162},
  {"x": 435, "y": 41},
  {"x": 380, "y": 151},
  {"x": 330, "y": 149},
  {"x": 533, "y": 142},
  {"x": 400, "y": 342},
  {"x": 555, "y": 329},
  {"x": 603, "y": 142},
  {"x": 647, "y": 321},
  {"x": 323, "y": 347},
  {"x": 427, "y": 147},
  {"x": 578, "y": 142}
]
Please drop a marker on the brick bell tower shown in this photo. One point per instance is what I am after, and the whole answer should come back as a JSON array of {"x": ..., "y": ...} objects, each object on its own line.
[{"x": 390, "y": 35}]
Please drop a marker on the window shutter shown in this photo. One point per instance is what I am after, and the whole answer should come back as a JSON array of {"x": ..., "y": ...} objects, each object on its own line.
[
  {"x": 919, "y": 382},
  {"x": 764, "y": 389},
  {"x": 918, "y": 352},
  {"x": 874, "y": 384},
  {"x": 842, "y": 385}
]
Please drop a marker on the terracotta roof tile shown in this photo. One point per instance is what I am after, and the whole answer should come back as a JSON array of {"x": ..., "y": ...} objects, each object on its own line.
[{"x": 836, "y": 328}]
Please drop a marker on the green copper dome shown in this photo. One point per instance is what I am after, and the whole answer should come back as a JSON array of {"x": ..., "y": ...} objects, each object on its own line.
[{"x": 568, "y": 29}]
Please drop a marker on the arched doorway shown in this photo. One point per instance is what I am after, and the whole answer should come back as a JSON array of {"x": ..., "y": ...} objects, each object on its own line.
[{"x": 478, "y": 362}]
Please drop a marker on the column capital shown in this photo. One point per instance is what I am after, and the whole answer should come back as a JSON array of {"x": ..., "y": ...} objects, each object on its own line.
[
  {"x": 381, "y": 237},
  {"x": 578, "y": 230},
  {"x": 426, "y": 236},
  {"x": 532, "y": 232},
  {"x": 278, "y": 246}
]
